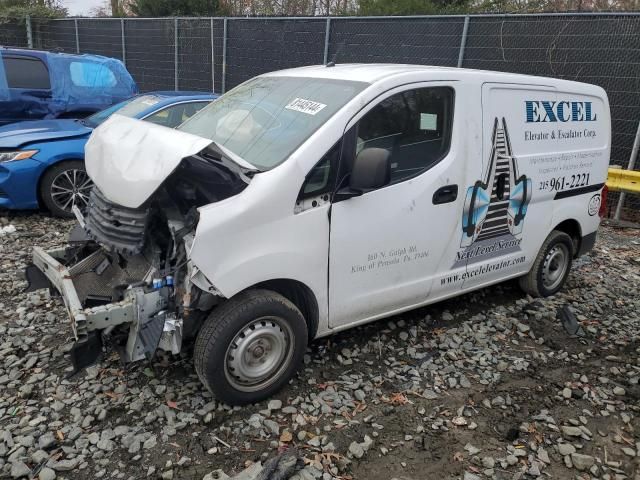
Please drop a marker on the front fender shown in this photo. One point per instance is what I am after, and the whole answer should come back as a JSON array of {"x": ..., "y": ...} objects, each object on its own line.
[
  {"x": 244, "y": 259},
  {"x": 50, "y": 153},
  {"x": 256, "y": 237}
]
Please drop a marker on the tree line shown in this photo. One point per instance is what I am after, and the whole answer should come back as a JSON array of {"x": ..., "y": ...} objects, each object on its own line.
[{"x": 212, "y": 8}]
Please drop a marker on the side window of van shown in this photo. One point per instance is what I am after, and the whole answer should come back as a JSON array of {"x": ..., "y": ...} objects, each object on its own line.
[
  {"x": 91, "y": 75},
  {"x": 26, "y": 72},
  {"x": 414, "y": 126}
]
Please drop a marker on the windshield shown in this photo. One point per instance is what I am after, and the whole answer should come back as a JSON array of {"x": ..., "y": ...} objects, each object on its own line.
[
  {"x": 129, "y": 108},
  {"x": 265, "y": 119}
]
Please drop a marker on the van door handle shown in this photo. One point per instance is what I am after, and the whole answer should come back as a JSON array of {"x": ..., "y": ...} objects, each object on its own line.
[{"x": 445, "y": 194}]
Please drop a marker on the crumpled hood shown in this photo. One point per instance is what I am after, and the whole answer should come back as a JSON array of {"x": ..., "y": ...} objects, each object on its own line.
[
  {"x": 15, "y": 135},
  {"x": 128, "y": 159}
]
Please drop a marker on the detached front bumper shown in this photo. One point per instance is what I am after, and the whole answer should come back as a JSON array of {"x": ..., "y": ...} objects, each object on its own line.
[
  {"x": 142, "y": 309},
  {"x": 83, "y": 320}
]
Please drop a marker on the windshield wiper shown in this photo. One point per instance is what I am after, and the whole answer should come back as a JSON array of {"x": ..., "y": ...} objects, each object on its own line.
[
  {"x": 216, "y": 155},
  {"x": 220, "y": 152}
]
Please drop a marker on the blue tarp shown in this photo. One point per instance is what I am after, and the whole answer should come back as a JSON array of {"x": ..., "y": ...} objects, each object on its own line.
[
  {"x": 83, "y": 83},
  {"x": 88, "y": 79}
]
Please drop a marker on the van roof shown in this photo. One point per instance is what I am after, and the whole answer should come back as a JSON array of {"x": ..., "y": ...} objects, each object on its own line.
[
  {"x": 33, "y": 52},
  {"x": 375, "y": 72}
]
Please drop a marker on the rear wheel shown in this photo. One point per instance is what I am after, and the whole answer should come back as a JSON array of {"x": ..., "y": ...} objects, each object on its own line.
[
  {"x": 250, "y": 347},
  {"x": 64, "y": 185},
  {"x": 551, "y": 268}
]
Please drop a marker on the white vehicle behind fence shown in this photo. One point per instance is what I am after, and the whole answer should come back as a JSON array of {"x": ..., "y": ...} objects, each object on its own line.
[{"x": 307, "y": 201}]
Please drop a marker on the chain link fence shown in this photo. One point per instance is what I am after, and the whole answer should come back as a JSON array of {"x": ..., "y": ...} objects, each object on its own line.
[
  {"x": 255, "y": 46},
  {"x": 13, "y": 32},
  {"x": 428, "y": 40},
  {"x": 216, "y": 54}
]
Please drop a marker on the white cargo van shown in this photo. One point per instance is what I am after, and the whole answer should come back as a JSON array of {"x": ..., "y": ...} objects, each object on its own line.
[{"x": 307, "y": 201}]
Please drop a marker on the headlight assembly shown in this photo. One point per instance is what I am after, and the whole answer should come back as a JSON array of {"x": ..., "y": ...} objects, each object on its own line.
[{"x": 19, "y": 155}]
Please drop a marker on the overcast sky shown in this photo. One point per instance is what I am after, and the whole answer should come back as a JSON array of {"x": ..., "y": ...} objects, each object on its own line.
[{"x": 81, "y": 7}]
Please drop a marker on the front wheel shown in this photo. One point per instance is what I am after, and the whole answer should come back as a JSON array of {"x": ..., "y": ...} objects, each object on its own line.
[
  {"x": 64, "y": 185},
  {"x": 250, "y": 347},
  {"x": 551, "y": 267}
]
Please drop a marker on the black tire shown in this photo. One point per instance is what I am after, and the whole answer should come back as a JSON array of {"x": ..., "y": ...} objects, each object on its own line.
[
  {"x": 240, "y": 325},
  {"x": 56, "y": 178},
  {"x": 543, "y": 279}
]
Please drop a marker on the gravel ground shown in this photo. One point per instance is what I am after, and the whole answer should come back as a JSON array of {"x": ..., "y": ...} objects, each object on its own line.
[{"x": 488, "y": 385}]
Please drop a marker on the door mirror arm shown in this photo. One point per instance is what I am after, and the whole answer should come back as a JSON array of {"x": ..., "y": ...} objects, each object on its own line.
[{"x": 346, "y": 193}]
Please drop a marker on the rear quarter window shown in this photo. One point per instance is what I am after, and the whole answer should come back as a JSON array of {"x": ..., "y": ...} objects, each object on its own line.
[
  {"x": 91, "y": 75},
  {"x": 26, "y": 72}
]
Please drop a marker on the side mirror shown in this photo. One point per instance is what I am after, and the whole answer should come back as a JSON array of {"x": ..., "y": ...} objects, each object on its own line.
[{"x": 371, "y": 170}]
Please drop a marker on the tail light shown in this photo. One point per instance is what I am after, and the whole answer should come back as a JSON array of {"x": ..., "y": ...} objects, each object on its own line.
[{"x": 603, "y": 202}]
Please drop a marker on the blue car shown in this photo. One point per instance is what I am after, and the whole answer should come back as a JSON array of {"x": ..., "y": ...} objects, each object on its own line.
[
  {"x": 36, "y": 84},
  {"x": 42, "y": 161}
]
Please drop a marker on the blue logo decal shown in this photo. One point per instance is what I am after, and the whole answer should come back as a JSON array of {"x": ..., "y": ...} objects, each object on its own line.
[{"x": 543, "y": 111}]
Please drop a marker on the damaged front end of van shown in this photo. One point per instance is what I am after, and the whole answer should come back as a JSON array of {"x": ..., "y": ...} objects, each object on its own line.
[{"x": 126, "y": 275}]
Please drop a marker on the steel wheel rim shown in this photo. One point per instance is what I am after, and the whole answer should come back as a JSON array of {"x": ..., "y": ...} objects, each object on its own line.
[
  {"x": 258, "y": 354},
  {"x": 555, "y": 266},
  {"x": 71, "y": 187}
]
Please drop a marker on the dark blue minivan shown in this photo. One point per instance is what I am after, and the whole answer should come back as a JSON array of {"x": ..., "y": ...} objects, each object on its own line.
[{"x": 44, "y": 85}]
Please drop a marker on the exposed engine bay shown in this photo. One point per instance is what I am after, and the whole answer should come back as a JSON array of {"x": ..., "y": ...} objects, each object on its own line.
[{"x": 126, "y": 275}]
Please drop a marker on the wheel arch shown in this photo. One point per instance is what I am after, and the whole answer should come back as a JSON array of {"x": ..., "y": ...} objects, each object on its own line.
[
  {"x": 571, "y": 227},
  {"x": 49, "y": 166},
  {"x": 300, "y": 295}
]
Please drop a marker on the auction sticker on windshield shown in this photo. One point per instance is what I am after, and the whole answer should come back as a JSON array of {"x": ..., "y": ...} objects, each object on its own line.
[{"x": 305, "y": 106}]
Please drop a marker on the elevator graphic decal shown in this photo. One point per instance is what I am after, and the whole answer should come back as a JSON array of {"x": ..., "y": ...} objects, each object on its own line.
[{"x": 495, "y": 207}]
